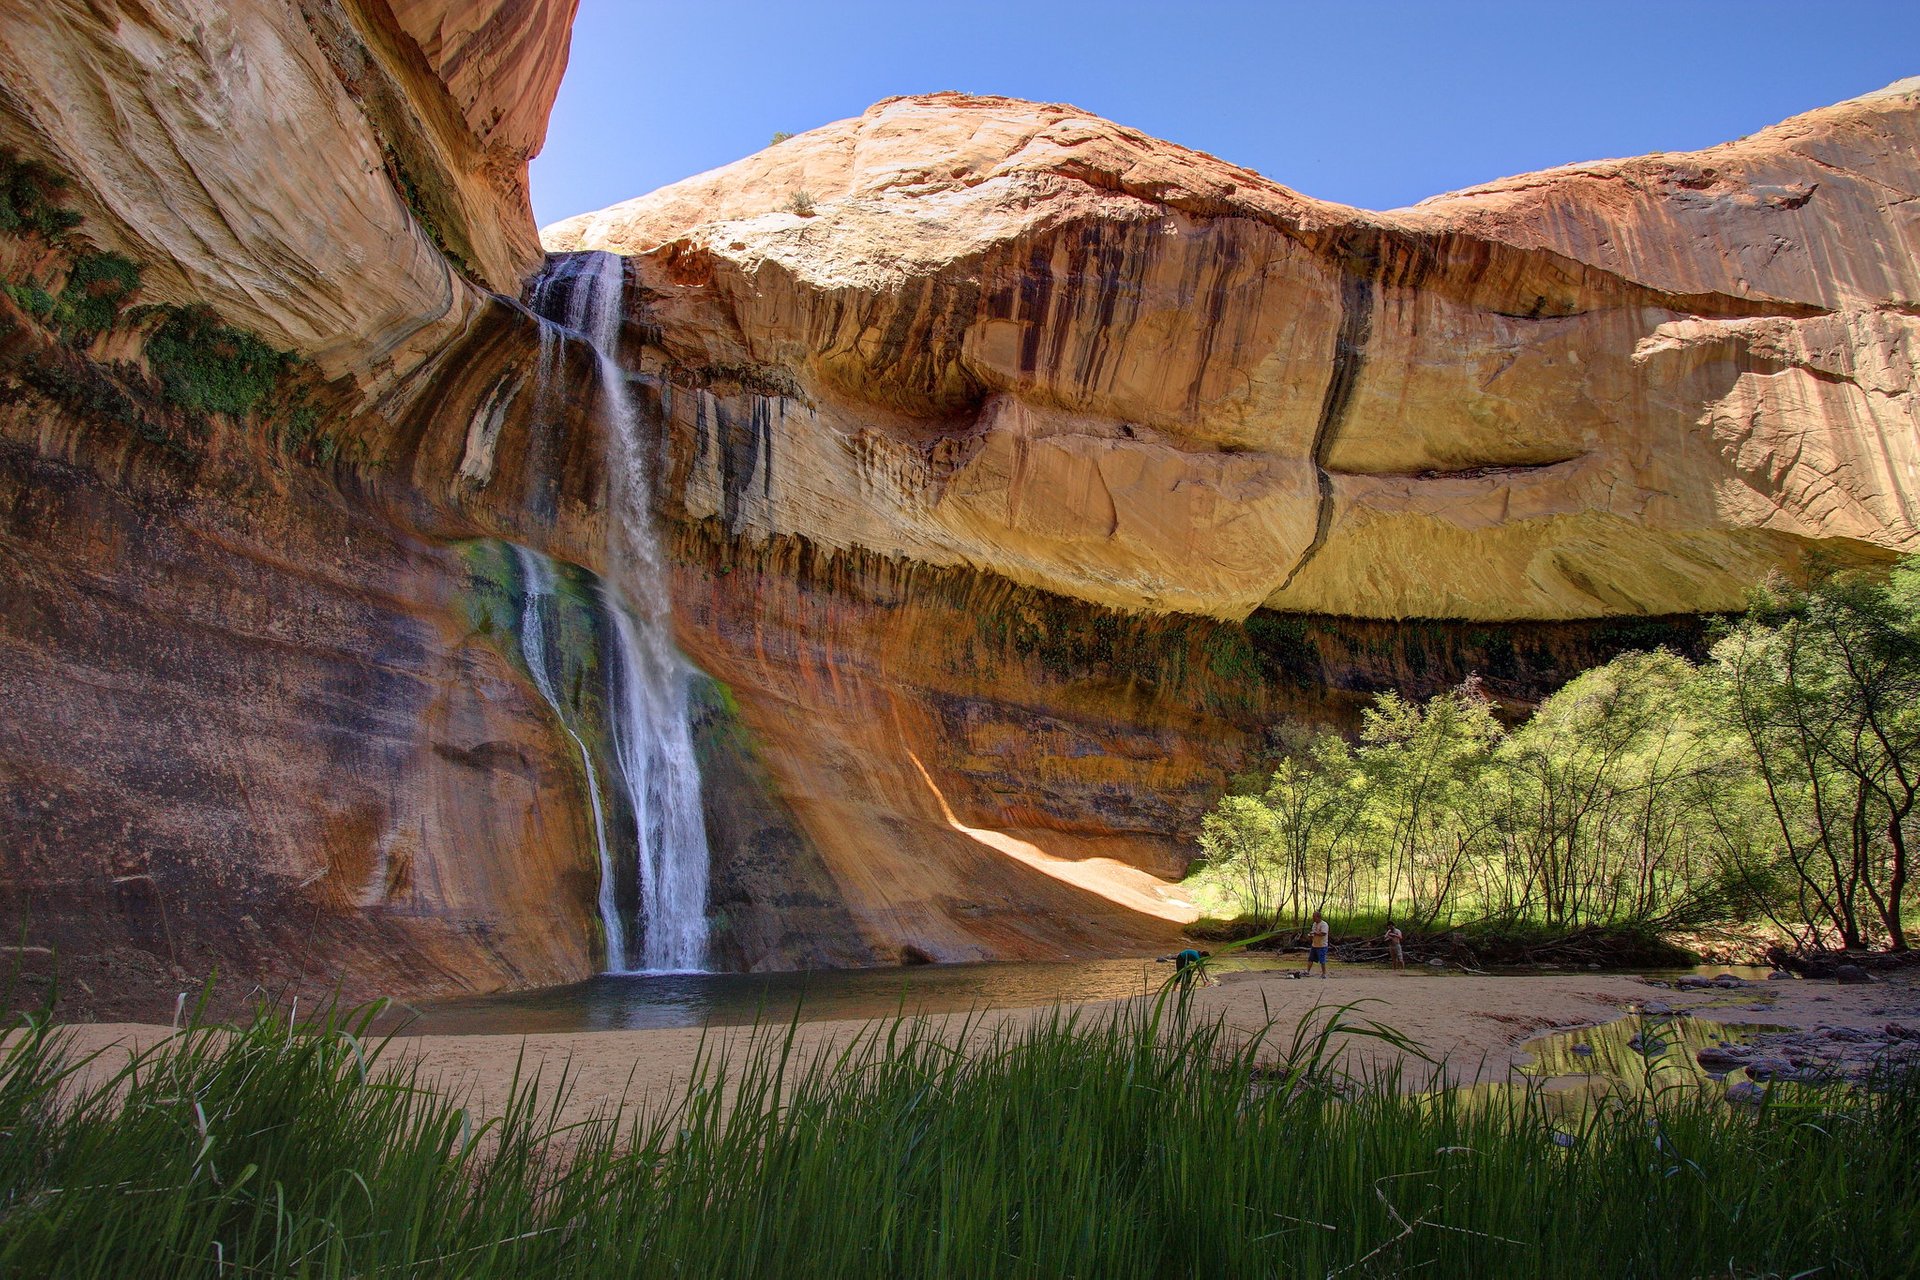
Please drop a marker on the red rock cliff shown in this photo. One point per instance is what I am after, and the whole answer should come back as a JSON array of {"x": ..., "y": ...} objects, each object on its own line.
[{"x": 1012, "y": 473}]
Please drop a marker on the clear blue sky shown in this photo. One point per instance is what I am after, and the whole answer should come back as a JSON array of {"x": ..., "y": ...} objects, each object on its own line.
[{"x": 1370, "y": 102}]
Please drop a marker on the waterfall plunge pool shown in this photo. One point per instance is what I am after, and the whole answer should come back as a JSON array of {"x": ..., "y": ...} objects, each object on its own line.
[
  {"x": 642, "y": 1001},
  {"x": 638, "y": 1001}
]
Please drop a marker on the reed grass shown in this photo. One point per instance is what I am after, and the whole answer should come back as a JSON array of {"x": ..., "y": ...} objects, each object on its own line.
[{"x": 1136, "y": 1145}]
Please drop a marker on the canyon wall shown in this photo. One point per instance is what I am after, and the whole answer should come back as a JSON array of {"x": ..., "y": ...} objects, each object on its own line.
[
  {"x": 1025, "y": 479},
  {"x": 1003, "y": 334},
  {"x": 962, "y": 393},
  {"x": 248, "y": 728}
]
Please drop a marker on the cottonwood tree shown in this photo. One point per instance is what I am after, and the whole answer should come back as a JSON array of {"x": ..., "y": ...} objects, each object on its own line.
[
  {"x": 1241, "y": 838},
  {"x": 1823, "y": 681},
  {"x": 1781, "y": 779},
  {"x": 1422, "y": 763},
  {"x": 1316, "y": 804},
  {"x": 1601, "y": 787}
]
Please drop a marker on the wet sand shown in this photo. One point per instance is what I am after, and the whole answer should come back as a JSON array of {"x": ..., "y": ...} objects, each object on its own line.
[{"x": 1475, "y": 1026}]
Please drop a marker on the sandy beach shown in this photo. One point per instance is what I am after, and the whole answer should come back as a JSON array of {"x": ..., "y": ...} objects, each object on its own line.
[{"x": 1476, "y": 1026}]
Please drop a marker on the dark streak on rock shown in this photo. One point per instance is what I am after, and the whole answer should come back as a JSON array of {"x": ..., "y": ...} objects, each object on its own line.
[
  {"x": 1213, "y": 314},
  {"x": 1349, "y": 357},
  {"x": 1036, "y": 291},
  {"x": 746, "y": 452}
]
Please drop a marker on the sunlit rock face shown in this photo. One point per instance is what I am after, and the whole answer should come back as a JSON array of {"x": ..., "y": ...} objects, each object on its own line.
[
  {"x": 1009, "y": 481},
  {"x": 250, "y": 725},
  {"x": 344, "y": 178},
  {"x": 993, "y": 333}
]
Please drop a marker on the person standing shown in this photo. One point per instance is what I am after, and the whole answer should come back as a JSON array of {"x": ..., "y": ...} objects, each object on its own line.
[
  {"x": 1317, "y": 939},
  {"x": 1395, "y": 954}
]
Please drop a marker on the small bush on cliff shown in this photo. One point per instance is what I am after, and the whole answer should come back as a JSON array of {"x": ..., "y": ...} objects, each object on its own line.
[
  {"x": 205, "y": 366},
  {"x": 30, "y": 199},
  {"x": 98, "y": 288},
  {"x": 801, "y": 204},
  {"x": 30, "y": 298}
]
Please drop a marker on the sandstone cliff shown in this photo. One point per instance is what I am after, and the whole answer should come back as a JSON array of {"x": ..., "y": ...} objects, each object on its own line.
[
  {"x": 961, "y": 362},
  {"x": 1012, "y": 478},
  {"x": 247, "y": 725},
  {"x": 1019, "y": 337}
]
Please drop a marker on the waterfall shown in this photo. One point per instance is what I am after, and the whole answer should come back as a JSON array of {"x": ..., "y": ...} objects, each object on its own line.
[
  {"x": 649, "y": 687},
  {"x": 536, "y": 576}
]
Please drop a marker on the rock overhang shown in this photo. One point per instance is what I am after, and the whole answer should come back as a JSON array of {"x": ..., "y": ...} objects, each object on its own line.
[{"x": 1043, "y": 344}]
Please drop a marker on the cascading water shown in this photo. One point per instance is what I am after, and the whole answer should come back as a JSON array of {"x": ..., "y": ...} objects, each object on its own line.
[
  {"x": 536, "y": 576},
  {"x": 649, "y": 688}
]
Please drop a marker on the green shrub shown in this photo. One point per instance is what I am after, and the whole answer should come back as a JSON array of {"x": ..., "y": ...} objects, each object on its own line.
[
  {"x": 207, "y": 367},
  {"x": 98, "y": 287},
  {"x": 30, "y": 199},
  {"x": 30, "y": 298}
]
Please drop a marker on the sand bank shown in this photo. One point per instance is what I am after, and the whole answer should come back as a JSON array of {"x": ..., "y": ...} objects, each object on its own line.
[{"x": 1475, "y": 1026}]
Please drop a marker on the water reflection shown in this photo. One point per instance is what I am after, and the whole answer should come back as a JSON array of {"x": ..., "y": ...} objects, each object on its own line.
[
  {"x": 1634, "y": 1051},
  {"x": 617, "y": 1002}
]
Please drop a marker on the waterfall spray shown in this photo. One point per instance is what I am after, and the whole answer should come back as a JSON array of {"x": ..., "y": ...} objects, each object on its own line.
[{"x": 649, "y": 688}]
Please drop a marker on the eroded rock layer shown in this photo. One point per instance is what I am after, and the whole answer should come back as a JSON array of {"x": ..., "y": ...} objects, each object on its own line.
[
  {"x": 1000, "y": 334},
  {"x": 249, "y": 726}
]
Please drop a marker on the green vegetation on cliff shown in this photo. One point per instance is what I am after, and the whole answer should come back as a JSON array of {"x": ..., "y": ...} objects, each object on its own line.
[
  {"x": 1131, "y": 1147},
  {"x": 98, "y": 288},
  {"x": 31, "y": 199},
  {"x": 205, "y": 366},
  {"x": 200, "y": 364}
]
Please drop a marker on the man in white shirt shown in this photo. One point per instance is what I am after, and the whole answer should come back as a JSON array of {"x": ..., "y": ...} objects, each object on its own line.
[{"x": 1317, "y": 939}]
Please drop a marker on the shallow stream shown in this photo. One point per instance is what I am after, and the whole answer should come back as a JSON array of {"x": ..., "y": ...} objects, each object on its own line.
[
  {"x": 618, "y": 1002},
  {"x": 1651, "y": 1049}
]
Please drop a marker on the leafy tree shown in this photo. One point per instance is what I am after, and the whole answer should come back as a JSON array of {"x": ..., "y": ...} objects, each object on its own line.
[
  {"x": 1824, "y": 683},
  {"x": 1316, "y": 804},
  {"x": 1782, "y": 779},
  {"x": 1420, "y": 763},
  {"x": 1600, "y": 788},
  {"x": 1241, "y": 838}
]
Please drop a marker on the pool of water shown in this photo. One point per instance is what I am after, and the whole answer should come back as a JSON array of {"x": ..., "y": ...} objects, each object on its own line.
[
  {"x": 619, "y": 1002},
  {"x": 1648, "y": 1049},
  {"x": 615, "y": 1002}
]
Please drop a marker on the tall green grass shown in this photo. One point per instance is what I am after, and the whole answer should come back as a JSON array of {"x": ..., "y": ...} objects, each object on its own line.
[{"x": 1140, "y": 1145}]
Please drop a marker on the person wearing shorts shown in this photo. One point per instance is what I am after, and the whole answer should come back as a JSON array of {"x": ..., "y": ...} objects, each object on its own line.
[
  {"x": 1395, "y": 954},
  {"x": 1317, "y": 939}
]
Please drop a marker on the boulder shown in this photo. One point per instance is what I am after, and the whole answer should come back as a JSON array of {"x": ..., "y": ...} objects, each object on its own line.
[{"x": 1722, "y": 1058}]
